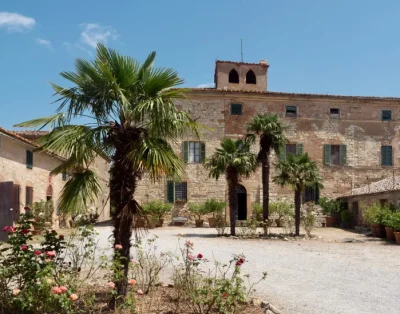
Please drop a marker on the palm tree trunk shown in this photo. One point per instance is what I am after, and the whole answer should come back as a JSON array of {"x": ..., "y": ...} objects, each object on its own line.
[
  {"x": 297, "y": 204},
  {"x": 265, "y": 182},
  {"x": 122, "y": 187},
  {"x": 233, "y": 201}
]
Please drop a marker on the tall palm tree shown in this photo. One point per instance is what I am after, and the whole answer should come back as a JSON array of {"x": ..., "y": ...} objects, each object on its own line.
[
  {"x": 299, "y": 172},
  {"x": 132, "y": 122},
  {"x": 272, "y": 138},
  {"x": 235, "y": 160}
]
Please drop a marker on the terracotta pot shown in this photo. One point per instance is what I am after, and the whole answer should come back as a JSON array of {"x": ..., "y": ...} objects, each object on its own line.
[
  {"x": 397, "y": 236},
  {"x": 378, "y": 231},
  {"x": 278, "y": 223},
  {"x": 140, "y": 223},
  {"x": 330, "y": 221},
  {"x": 160, "y": 223},
  {"x": 199, "y": 223},
  {"x": 389, "y": 233},
  {"x": 212, "y": 222}
]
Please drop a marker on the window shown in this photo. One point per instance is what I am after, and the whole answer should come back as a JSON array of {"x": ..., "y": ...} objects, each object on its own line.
[
  {"x": 386, "y": 156},
  {"x": 236, "y": 109},
  {"x": 193, "y": 152},
  {"x": 29, "y": 159},
  {"x": 176, "y": 191},
  {"x": 291, "y": 149},
  {"x": 233, "y": 76},
  {"x": 291, "y": 111},
  {"x": 251, "y": 77},
  {"x": 335, "y": 154},
  {"x": 64, "y": 176},
  {"x": 311, "y": 194},
  {"x": 334, "y": 113},
  {"x": 386, "y": 115},
  {"x": 28, "y": 196}
]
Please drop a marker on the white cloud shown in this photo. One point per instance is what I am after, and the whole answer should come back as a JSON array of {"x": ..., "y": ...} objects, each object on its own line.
[
  {"x": 95, "y": 33},
  {"x": 15, "y": 22},
  {"x": 44, "y": 42},
  {"x": 206, "y": 85}
]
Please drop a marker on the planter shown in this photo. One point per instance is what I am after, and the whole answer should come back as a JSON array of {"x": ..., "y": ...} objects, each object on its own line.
[
  {"x": 160, "y": 223},
  {"x": 397, "y": 236},
  {"x": 378, "y": 231},
  {"x": 199, "y": 223},
  {"x": 140, "y": 223},
  {"x": 279, "y": 223},
  {"x": 212, "y": 222},
  {"x": 330, "y": 221},
  {"x": 389, "y": 233}
]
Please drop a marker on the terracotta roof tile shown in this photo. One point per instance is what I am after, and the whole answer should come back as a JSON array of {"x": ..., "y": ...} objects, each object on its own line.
[{"x": 238, "y": 63}]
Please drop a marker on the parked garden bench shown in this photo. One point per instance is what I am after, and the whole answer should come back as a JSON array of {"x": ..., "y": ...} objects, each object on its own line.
[{"x": 179, "y": 221}]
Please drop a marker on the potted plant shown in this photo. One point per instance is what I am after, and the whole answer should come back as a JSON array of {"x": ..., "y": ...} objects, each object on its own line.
[
  {"x": 394, "y": 223},
  {"x": 214, "y": 207},
  {"x": 347, "y": 219},
  {"x": 198, "y": 210},
  {"x": 330, "y": 208},
  {"x": 387, "y": 222},
  {"x": 280, "y": 209},
  {"x": 157, "y": 210},
  {"x": 258, "y": 211},
  {"x": 375, "y": 215}
]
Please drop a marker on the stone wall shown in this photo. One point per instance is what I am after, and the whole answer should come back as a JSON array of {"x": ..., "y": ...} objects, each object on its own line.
[{"x": 358, "y": 126}]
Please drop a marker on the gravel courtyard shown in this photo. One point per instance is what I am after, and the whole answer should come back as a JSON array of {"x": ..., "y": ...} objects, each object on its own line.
[{"x": 340, "y": 272}]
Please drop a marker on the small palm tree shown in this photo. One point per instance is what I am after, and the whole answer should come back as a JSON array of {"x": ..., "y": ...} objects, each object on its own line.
[
  {"x": 272, "y": 138},
  {"x": 299, "y": 172},
  {"x": 132, "y": 122},
  {"x": 235, "y": 160}
]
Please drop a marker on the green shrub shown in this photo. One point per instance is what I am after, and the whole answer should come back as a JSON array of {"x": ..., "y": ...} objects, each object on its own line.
[
  {"x": 42, "y": 211},
  {"x": 376, "y": 214},
  {"x": 329, "y": 206},
  {"x": 393, "y": 221},
  {"x": 308, "y": 217},
  {"x": 157, "y": 209},
  {"x": 198, "y": 210},
  {"x": 281, "y": 209},
  {"x": 212, "y": 206},
  {"x": 347, "y": 216},
  {"x": 258, "y": 211}
]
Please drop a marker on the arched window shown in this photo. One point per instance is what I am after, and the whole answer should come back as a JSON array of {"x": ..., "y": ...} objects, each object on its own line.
[
  {"x": 233, "y": 76},
  {"x": 251, "y": 77}
]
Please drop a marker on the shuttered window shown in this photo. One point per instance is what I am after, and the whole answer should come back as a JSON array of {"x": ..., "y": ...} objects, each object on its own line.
[
  {"x": 193, "y": 152},
  {"x": 386, "y": 156},
  {"x": 335, "y": 154},
  {"x": 291, "y": 149},
  {"x": 29, "y": 159},
  {"x": 236, "y": 109},
  {"x": 291, "y": 111},
  {"x": 386, "y": 115},
  {"x": 176, "y": 191},
  {"x": 28, "y": 196},
  {"x": 311, "y": 194}
]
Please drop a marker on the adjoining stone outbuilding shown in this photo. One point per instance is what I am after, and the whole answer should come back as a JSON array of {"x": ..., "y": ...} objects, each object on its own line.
[
  {"x": 25, "y": 177},
  {"x": 353, "y": 139}
]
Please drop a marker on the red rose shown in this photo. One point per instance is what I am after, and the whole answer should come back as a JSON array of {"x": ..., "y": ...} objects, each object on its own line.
[
  {"x": 239, "y": 263},
  {"x": 25, "y": 231},
  {"x": 242, "y": 260},
  {"x": 11, "y": 229},
  {"x": 199, "y": 256},
  {"x": 53, "y": 232},
  {"x": 37, "y": 253},
  {"x": 61, "y": 237},
  {"x": 26, "y": 208},
  {"x": 5, "y": 229},
  {"x": 24, "y": 247},
  {"x": 224, "y": 294}
]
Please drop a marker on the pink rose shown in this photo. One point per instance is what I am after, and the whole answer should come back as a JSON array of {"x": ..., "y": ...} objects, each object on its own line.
[
  {"x": 133, "y": 261},
  {"x": 50, "y": 253},
  {"x": 111, "y": 285},
  {"x": 15, "y": 292},
  {"x": 11, "y": 229},
  {"x": 56, "y": 290},
  {"x": 140, "y": 292},
  {"x": 118, "y": 247},
  {"x": 63, "y": 289},
  {"x": 132, "y": 282},
  {"x": 191, "y": 257},
  {"x": 73, "y": 297},
  {"x": 5, "y": 229}
]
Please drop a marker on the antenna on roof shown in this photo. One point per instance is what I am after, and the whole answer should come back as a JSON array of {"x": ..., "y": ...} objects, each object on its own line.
[{"x": 241, "y": 48}]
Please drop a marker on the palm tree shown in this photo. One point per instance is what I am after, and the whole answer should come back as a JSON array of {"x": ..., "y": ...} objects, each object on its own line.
[
  {"x": 235, "y": 160},
  {"x": 132, "y": 122},
  {"x": 299, "y": 172},
  {"x": 272, "y": 138}
]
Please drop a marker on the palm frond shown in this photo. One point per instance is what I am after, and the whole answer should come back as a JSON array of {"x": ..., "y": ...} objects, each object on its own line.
[{"x": 56, "y": 120}]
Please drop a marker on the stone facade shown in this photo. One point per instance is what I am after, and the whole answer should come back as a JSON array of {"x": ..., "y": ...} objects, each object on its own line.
[
  {"x": 13, "y": 168},
  {"x": 353, "y": 123}
]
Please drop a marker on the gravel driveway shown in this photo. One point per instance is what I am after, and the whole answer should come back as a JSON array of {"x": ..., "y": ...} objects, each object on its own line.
[{"x": 321, "y": 276}]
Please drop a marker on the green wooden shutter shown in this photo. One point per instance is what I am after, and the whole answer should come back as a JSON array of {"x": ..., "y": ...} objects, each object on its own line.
[
  {"x": 386, "y": 156},
  {"x": 202, "y": 151},
  {"x": 343, "y": 155},
  {"x": 390, "y": 155},
  {"x": 29, "y": 159},
  {"x": 299, "y": 149},
  {"x": 170, "y": 192},
  {"x": 185, "y": 151},
  {"x": 282, "y": 154},
  {"x": 327, "y": 154}
]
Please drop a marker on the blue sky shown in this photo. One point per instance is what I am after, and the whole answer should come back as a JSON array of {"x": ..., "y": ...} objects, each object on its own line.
[{"x": 348, "y": 47}]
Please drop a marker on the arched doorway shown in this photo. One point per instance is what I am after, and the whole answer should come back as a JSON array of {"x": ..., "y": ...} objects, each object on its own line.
[{"x": 242, "y": 202}]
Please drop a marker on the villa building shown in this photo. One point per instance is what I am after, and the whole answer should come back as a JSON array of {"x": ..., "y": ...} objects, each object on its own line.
[{"x": 353, "y": 139}]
